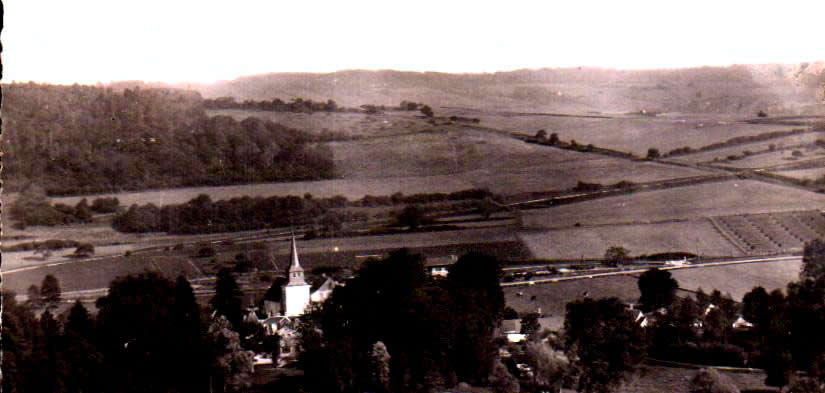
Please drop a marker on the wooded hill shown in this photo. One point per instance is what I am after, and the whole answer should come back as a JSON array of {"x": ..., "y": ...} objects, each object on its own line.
[{"x": 85, "y": 139}]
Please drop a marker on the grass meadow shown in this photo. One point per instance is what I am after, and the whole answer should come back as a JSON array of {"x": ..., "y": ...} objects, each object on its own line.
[{"x": 591, "y": 242}]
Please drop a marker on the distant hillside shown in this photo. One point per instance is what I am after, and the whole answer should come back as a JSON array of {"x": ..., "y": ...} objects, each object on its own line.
[{"x": 735, "y": 89}]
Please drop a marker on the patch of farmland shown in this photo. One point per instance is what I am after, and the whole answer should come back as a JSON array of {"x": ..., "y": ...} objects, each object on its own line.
[
  {"x": 396, "y": 241},
  {"x": 552, "y": 298},
  {"x": 99, "y": 273},
  {"x": 353, "y": 259},
  {"x": 772, "y": 233},
  {"x": 737, "y": 280},
  {"x": 776, "y": 158},
  {"x": 802, "y": 174},
  {"x": 701, "y": 200},
  {"x": 635, "y": 133},
  {"x": 349, "y": 124},
  {"x": 488, "y": 160},
  {"x": 592, "y": 242},
  {"x": 761, "y": 146}
]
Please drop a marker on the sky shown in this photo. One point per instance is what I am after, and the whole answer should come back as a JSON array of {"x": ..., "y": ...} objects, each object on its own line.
[{"x": 90, "y": 41}]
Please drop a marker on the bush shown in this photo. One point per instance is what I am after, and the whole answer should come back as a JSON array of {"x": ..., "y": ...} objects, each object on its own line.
[
  {"x": 206, "y": 252},
  {"x": 105, "y": 205},
  {"x": 84, "y": 249},
  {"x": 710, "y": 381}
]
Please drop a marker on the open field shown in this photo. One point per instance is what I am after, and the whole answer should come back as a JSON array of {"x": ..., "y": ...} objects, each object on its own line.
[
  {"x": 591, "y": 242},
  {"x": 552, "y": 298},
  {"x": 488, "y": 160},
  {"x": 737, "y": 280},
  {"x": 99, "y": 273},
  {"x": 348, "y": 124},
  {"x": 754, "y": 147},
  {"x": 633, "y": 133},
  {"x": 702, "y": 200},
  {"x": 810, "y": 173}
]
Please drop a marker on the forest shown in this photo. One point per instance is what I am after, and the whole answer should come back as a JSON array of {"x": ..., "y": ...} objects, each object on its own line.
[{"x": 89, "y": 139}]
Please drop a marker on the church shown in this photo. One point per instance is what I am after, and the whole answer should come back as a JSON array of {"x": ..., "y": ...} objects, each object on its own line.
[
  {"x": 295, "y": 294},
  {"x": 296, "y": 297}
]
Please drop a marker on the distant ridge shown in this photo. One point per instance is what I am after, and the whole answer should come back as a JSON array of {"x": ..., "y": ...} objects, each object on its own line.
[{"x": 746, "y": 89}]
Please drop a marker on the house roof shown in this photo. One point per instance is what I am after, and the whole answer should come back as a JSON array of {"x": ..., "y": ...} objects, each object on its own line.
[{"x": 440, "y": 261}]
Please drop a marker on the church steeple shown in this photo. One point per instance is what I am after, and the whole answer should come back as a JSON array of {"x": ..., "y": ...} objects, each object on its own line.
[
  {"x": 296, "y": 272},
  {"x": 295, "y": 294}
]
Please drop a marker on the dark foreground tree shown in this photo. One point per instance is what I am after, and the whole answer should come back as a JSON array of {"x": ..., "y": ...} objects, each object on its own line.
[
  {"x": 149, "y": 337},
  {"x": 658, "y": 289},
  {"x": 603, "y": 343},
  {"x": 478, "y": 307},
  {"x": 228, "y": 299},
  {"x": 437, "y": 331}
]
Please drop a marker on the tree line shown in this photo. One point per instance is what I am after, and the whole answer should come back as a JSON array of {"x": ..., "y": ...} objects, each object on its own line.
[
  {"x": 202, "y": 215},
  {"x": 86, "y": 139},
  {"x": 296, "y": 105}
]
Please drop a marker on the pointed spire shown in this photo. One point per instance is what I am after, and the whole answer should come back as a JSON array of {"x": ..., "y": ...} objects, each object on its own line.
[
  {"x": 296, "y": 272},
  {"x": 293, "y": 255}
]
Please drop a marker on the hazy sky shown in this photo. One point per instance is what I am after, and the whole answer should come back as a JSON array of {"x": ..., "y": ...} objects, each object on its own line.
[{"x": 87, "y": 41}]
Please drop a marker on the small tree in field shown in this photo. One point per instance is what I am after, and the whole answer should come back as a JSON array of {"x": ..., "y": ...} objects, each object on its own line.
[
  {"x": 50, "y": 290},
  {"x": 653, "y": 153},
  {"x": 616, "y": 255}
]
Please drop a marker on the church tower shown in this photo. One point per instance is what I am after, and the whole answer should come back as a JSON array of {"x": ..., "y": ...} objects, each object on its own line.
[{"x": 295, "y": 293}]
